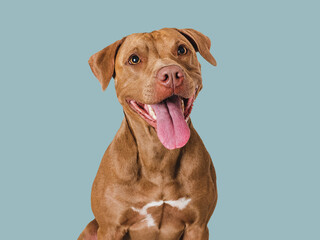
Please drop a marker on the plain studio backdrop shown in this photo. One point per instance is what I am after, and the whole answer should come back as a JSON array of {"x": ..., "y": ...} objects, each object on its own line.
[{"x": 258, "y": 113}]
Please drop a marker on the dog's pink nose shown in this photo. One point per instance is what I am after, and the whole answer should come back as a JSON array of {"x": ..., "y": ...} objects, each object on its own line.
[{"x": 170, "y": 76}]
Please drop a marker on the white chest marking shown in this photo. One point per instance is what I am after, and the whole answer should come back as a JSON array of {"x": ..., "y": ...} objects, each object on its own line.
[{"x": 181, "y": 203}]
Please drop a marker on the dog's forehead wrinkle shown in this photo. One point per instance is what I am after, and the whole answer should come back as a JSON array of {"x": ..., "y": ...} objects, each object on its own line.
[
  {"x": 144, "y": 44},
  {"x": 164, "y": 41},
  {"x": 152, "y": 45},
  {"x": 135, "y": 40}
]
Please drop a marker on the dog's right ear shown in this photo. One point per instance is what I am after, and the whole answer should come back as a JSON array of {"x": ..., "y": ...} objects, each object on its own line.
[
  {"x": 102, "y": 63},
  {"x": 200, "y": 42}
]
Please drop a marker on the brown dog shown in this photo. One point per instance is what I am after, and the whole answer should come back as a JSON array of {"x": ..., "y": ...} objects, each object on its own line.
[{"x": 156, "y": 180}]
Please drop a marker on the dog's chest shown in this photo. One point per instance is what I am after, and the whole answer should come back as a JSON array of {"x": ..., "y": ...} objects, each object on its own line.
[{"x": 160, "y": 219}]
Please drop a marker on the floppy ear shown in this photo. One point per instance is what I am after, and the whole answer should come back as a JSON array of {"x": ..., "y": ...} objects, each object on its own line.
[
  {"x": 102, "y": 63},
  {"x": 200, "y": 42}
]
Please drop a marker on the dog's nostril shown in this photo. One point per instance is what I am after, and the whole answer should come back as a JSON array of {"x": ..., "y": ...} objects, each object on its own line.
[
  {"x": 179, "y": 74},
  {"x": 166, "y": 76}
]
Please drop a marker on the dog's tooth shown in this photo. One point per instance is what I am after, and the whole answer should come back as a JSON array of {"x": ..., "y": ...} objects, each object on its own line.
[
  {"x": 151, "y": 112},
  {"x": 149, "y": 108},
  {"x": 182, "y": 105}
]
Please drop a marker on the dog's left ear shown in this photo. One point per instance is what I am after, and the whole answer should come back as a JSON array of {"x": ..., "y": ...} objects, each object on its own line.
[
  {"x": 102, "y": 63},
  {"x": 200, "y": 42}
]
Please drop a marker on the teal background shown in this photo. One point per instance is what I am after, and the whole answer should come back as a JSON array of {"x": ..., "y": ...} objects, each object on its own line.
[{"x": 258, "y": 113}]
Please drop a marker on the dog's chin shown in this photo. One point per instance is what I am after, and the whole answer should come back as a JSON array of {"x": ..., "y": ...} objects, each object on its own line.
[{"x": 167, "y": 117}]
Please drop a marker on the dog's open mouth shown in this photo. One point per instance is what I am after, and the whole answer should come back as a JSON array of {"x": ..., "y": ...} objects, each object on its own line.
[{"x": 169, "y": 117}]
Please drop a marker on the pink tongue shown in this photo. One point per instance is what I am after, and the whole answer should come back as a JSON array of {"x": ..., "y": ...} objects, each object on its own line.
[{"x": 172, "y": 129}]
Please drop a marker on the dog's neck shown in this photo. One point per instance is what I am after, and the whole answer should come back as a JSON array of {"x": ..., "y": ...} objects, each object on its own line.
[{"x": 156, "y": 161}]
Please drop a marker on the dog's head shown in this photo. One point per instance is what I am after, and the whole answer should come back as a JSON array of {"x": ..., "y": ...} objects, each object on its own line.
[{"x": 157, "y": 76}]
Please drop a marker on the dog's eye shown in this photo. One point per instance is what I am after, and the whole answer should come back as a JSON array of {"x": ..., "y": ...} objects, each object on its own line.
[
  {"x": 134, "y": 59},
  {"x": 182, "y": 50}
]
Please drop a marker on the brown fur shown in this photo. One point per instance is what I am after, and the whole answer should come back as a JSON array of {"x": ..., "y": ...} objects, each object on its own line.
[{"x": 136, "y": 168}]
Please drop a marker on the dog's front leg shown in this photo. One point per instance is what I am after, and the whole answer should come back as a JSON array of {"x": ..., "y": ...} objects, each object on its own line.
[
  {"x": 111, "y": 233},
  {"x": 196, "y": 232}
]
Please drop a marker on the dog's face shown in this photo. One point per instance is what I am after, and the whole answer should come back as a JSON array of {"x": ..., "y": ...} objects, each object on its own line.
[{"x": 157, "y": 77}]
